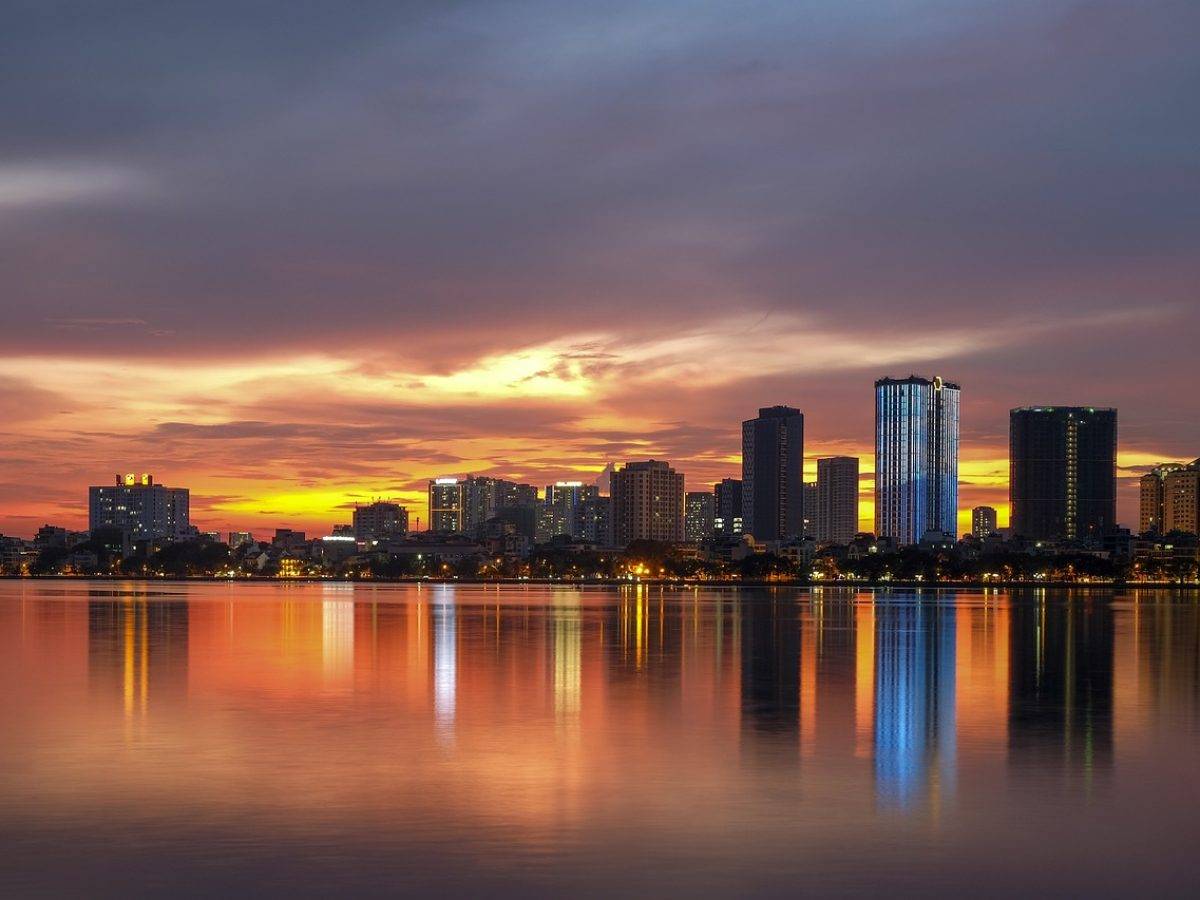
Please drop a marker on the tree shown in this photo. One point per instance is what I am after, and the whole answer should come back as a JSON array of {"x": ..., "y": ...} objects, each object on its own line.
[
  {"x": 49, "y": 562},
  {"x": 764, "y": 565}
]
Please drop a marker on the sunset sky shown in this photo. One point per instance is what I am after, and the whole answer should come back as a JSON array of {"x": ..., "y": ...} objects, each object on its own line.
[{"x": 297, "y": 261}]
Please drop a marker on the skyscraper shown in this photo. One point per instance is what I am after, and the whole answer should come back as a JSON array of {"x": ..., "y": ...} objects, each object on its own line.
[
  {"x": 916, "y": 457},
  {"x": 446, "y": 505},
  {"x": 1170, "y": 498},
  {"x": 1062, "y": 472},
  {"x": 597, "y": 524},
  {"x": 1181, "y": 500},
  {"x": 812, "y": 515},
  {"x": 484, "y": 496},
  {"x": 983, "y": 521},
  {"x": 699, "y": 513},
  {"x": 772, "y": 480},
  {"x": 380, "y": 520},
  {"x": 837, "y": 499},
  {"x": 727, "y": 519},
  {"x": 647, "y": 503},
  {"x": 140, "y": 508},
  {"x": 561, "y": 511}
]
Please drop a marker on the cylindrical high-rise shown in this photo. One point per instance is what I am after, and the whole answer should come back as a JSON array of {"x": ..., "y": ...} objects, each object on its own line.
[{"x": 916, "y": 457}]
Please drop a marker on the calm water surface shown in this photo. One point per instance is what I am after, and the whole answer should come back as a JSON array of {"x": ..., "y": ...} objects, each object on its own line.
[{"x": 188, "y": 739}]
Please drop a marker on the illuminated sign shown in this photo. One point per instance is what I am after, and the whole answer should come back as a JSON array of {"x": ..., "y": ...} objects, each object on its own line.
[{"x": 445, "y": 481}]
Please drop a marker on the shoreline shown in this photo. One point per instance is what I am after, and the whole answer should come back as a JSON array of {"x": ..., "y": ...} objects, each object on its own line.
[{"x": 624, "y": 582}]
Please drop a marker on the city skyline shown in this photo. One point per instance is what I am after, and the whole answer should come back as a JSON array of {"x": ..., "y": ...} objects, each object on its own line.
[
  {"x": 530, "y": 257},
  {"x": 687, "y": 448},
  {"x": 415, "y": 499}
]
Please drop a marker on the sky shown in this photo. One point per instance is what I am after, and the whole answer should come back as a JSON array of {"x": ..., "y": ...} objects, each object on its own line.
[{"x": 296, "y": 256}]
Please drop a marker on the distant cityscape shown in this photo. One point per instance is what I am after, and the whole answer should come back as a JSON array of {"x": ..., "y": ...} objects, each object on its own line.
[{"x": 638, "y": 521}]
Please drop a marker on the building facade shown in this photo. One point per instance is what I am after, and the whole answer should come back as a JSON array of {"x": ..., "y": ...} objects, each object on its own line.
[
  {"x": 1063, "y": 472},
  {"x": 647, "y": 503},
  {"x": 446, "y": 498},
  {"x": 837, "y": 499},
  {"x": 597, "y": 521},
  {"x": 561, "y": 511},
  {"x": 916, "y": 458},
  {"x": 240, "y": 539},
  {"x": 1170, "y": 499},
  {"x": 1181, "y": 495},
  {"x": 140, "y": 508},
  {"x": 772, "y": 474},
  {"x": 812, "y": 515},
  {"x": 699, "y": 513},
  {"x": 484, "y": 497},
  {"x": 379, "y": 520},
  {"x": 727, "y": 516},
  {"x": 983, "y": 521}
]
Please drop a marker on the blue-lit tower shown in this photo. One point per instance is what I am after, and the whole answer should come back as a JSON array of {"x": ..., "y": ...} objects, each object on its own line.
[{"x": 916, "y": 457}]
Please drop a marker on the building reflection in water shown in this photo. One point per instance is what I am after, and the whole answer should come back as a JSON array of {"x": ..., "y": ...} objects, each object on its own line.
[
  {"x": 138, "y": 651},
  {"x": 445, "y": 657},
  {"x": 770, "y": 656},
  {"x": 828, "y": 646},
  {"x": 903, "y": 686},
  {"x": 1061, "y": 684},
  {"x": 568, "y": 656},
  {"x": 337, "y": 635},
  {"x": 1165, "y": 651},
  {"x": 915, "y": 734}
]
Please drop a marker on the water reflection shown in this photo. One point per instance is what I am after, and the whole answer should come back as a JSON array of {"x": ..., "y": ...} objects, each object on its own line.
[
  {"x": 915, "y": 736},
  {"x": 770, "y": 630},
  {"x": 1061, "y": 685},
  {"x": 565, "y": 713},
  {"x": 445, "y": 659},
  {"x": 138, "y": 651}
]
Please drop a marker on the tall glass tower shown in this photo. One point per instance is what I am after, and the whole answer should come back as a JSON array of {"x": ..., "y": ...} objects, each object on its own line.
[{"x": 916, "y": 457}]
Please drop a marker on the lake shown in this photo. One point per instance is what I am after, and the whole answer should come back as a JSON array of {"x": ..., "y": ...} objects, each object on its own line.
[{"x": 188, "y": 739}]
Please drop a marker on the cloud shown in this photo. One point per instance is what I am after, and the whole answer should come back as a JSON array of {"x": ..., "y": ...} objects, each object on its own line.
[
  {"x": 257, "y": 251},
  {"x": 29, "y": 185}
]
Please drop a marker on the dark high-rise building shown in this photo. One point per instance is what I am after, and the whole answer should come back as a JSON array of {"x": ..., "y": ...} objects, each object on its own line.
[
  {"x": 983, "y": 521},
  {"x": 647, "y": 503},
  {"x": 595, "y": 515},
  {"x": 464, "y": 505},
  {"x": 727, "y": 518},
  {"x": 698, "y": 515},
  {"x": 140, "y": 508},
  {"x": 1170, "y": 499},
  {"x": 1063, "y": 472},
  {"x": 446, "y": 505},
  {"x": 522, "y": 519},
  {"x": 484, "y": 496},
  {"x": 812, "y": 518},
  {"x": 772, "y": 474},
  {"x": 916, "y": 458},
  {"x": 379, "y": 520},
  {"x": 836, "y": 511},
  {"x": 562, "y": 509}
]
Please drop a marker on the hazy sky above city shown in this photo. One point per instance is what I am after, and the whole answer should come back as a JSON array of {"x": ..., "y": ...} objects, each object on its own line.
[{"x": 294, "y": 255}]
